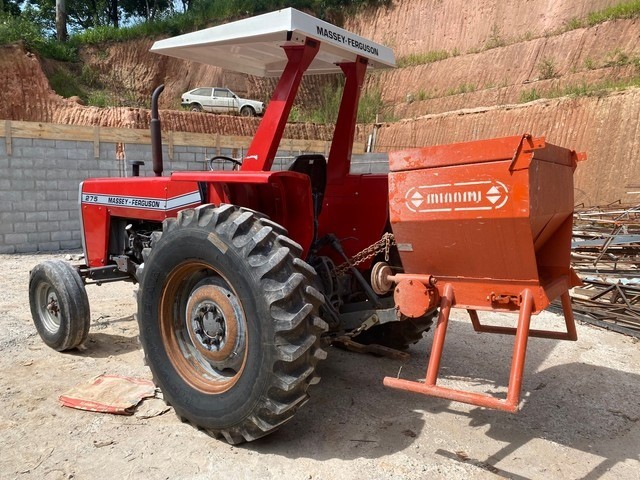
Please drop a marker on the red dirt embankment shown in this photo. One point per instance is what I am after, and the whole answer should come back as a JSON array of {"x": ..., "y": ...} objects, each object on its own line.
[
  {"x": 607, "y": 128},
  {"x": 415, "y": 26},
  {"x": 131, "y": 66},
  {"x": 500, "y": 75},
  {"x": 26, "y": 94},
  {"x": 181, "y": 122}
]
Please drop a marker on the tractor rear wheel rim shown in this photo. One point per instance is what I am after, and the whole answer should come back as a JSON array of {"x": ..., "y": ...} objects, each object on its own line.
[
  {"x": 49, "y": 307},
  {"x": 203, "y": 327}
]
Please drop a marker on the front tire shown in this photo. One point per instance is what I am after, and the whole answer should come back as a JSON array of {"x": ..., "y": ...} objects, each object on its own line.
[
  {"x": 59, "y": 305},
  {"x": 228, "y": 321},
  {"x": 195, "y": 107}
]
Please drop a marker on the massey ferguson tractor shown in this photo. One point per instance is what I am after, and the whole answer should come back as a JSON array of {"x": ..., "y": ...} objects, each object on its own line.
[{"x": 245, "y": 274}]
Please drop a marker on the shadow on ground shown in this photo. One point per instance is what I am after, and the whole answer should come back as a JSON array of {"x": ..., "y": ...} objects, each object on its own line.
[{"x": 569, "y": 404}]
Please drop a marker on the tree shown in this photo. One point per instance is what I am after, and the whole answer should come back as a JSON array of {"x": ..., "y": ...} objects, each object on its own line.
[
  {"x": 147, "y": 9},
  {"x": 81, "y": 14},
  {"x": 61, "y": 20},
  {"x": 11, "y": 7}
]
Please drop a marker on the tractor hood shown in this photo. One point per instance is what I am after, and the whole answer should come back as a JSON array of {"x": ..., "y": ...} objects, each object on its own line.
[{"x": 253, "y": 45}]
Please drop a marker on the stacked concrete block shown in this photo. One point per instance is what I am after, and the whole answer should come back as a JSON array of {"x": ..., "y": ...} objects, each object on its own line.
[{"x": 39, "y": 183}]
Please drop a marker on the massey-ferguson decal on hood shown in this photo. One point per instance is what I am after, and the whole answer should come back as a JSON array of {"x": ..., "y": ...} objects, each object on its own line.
[{"x": 461, "y": 196}]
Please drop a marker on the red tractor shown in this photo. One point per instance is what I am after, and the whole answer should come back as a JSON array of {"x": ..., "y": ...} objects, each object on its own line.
[{"x": 242, "y": 272}]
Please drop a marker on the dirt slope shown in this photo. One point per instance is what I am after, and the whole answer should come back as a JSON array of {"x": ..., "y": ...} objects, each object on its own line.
[
  {"x": 574, "y": 57},
  {"x": 133, "y": 68},
  {"x": 413, "y": 26},
  {"x": 26, "y": 94},
  {"x": 608, "y": 129},
  {"x": 181, "y": 121}
]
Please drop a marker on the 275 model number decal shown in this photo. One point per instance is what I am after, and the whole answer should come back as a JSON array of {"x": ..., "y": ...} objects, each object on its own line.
[{"x": 142, "y": 202}]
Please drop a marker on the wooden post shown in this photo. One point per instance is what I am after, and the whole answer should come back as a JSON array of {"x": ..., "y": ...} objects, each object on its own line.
[
  {"x": 7, "y": 136},
  {"x": 96, "y": 142}
]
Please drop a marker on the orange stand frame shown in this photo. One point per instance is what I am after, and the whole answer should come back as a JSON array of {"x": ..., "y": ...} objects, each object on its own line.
[{"x": 522, "y": 333}]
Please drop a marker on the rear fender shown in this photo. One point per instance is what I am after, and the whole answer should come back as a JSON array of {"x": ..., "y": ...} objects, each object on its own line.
[
  {"x": 356, "y": 210},
  {"x": 282, "y": 195}
]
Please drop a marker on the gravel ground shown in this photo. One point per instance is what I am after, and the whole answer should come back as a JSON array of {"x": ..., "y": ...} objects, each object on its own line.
[{"x": 580, "y": 415}]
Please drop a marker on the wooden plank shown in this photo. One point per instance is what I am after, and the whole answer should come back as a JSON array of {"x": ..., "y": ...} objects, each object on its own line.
[
  {"x": 170, "y": 147},
  {"x": 7, "y": 137},
  {"x": 125, "y": 135},
  {"x": 358, "y": 148},
  {"x": 51, "y": 131}
]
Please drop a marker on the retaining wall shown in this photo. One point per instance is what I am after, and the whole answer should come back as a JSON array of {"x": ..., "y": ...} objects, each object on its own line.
[{"x": 39, "y": 181}]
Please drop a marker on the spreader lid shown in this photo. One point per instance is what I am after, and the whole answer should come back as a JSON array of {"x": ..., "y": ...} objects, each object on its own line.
[{"x": 253, "y": 45}]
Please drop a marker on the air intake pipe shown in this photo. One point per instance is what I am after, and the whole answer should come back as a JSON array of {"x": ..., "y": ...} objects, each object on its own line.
[{"x": 156, "y": 136}]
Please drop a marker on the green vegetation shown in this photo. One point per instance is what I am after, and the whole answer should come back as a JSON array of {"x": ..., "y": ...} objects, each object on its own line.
[
  {"x": 599, "y": 89},
  {"x": 529, "y": 95},
  {"x": 19, "y": 29},
  {"x": 327, "y": 112},
  {"x": 370, "y": 105},
  {"x": 99, "y": 24},
  {"x": 99, "y": 98},
  {"x": 573, "y": 24},
  {"x": 547, "y": 68},
  {"x": 462, "y": 88},
  {"x": 624, "y": 10},
  {"x": 90, "y": 76},
  {"x": 424, "y": 58},
  {"x": 618, "y": 58},
  {"x": 628, "y": 10},
  {"x": 589, "y": 64},
  {"x": 495, "y": 40},
  {"x": 615, "y": 58},
  {"x": 66, "y": 84},
  {"x": 423, "y": 95}
]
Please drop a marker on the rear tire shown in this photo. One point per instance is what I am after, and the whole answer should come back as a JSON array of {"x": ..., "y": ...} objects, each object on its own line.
[
  {"x": 59, "y": 305},
  {"x": 229, "y": 321},
  {"x": 247, "y": 111}
]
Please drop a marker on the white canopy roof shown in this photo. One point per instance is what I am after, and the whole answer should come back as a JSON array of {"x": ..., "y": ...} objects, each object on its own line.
[{"x": 253, "y": 45}]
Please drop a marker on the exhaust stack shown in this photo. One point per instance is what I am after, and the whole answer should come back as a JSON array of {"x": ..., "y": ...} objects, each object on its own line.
[{"x": 156, "y": 136}]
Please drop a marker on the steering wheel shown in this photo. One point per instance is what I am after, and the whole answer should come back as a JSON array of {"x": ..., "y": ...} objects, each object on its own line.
[{"x": 236, "y": 163}]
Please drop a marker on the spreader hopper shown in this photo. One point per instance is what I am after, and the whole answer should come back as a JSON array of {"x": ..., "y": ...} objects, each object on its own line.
[{"x": 483, "y": 225}]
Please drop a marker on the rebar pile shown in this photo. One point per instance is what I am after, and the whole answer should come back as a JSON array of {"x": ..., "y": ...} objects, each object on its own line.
[{"x": 605, "y": 252}]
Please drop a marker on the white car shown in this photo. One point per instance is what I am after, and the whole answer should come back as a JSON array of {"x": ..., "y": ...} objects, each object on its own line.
[{"x": 220, "y": 100}]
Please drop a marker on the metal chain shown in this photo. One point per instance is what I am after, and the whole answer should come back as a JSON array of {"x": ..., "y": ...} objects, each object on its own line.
[{"x": 382, "y": 245}]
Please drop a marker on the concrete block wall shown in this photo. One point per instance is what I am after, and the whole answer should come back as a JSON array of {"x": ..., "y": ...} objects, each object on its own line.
[
  {"x": 39, "y": 193},
  {"x": 39, "y": 183}
]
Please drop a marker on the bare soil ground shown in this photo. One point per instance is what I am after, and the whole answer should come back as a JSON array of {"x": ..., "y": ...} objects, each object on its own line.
[{"x": 580, "y": 417}]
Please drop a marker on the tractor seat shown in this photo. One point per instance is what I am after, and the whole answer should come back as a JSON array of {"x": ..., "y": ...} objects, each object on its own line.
[{"x": 315, "y": 167}]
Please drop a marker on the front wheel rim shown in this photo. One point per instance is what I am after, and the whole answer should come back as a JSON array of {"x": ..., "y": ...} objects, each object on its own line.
[{"x": 48, "y": 307}]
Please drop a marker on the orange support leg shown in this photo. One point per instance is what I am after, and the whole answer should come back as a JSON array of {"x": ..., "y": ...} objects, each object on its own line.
[
  {"x": 517, "y": 364},
  {"x": 570, "y": 322},
  {"x": 438, "y": 337}
]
